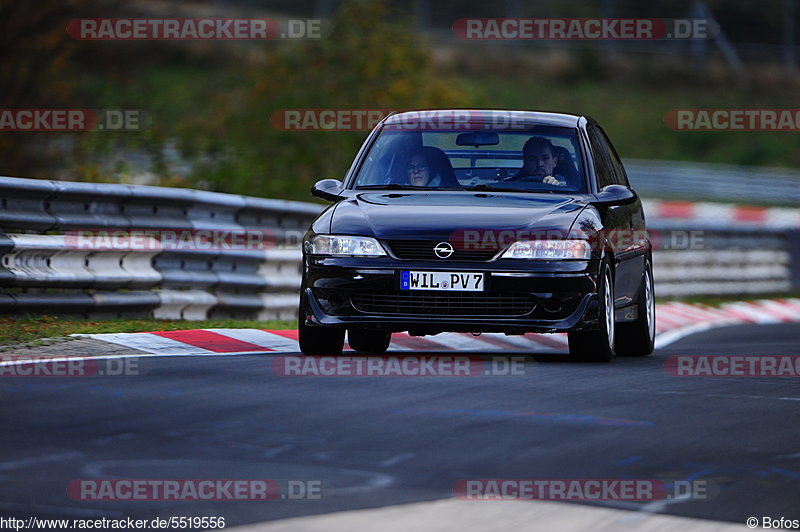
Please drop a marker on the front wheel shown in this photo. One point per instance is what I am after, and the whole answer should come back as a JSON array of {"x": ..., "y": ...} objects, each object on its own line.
[
  {"x": 316, "y": 340},
  {"x": 637, "y": 338},
  {"x": 598, "y": 345}
]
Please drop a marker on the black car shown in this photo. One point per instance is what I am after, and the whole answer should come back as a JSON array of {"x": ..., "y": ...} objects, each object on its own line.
[{"x": 480, "y": 221}]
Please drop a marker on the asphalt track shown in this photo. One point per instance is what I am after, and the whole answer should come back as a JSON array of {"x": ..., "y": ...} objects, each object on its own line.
[{"x": 382, "y": 441}]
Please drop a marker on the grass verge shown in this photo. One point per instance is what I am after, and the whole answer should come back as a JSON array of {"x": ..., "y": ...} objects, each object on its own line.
[{"x": 45, "y": 330}]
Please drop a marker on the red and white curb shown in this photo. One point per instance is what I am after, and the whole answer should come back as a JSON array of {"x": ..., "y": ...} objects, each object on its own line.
[
  {"x": 249, "y": 341},
  {"x": 673, "y": 321},
  {"x": 722, "y": 213}
]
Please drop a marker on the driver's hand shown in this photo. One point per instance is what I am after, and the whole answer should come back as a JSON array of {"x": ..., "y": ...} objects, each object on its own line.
[{"x": 550, "y": 180}]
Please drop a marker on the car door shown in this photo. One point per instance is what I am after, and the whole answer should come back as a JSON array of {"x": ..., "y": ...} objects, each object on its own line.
[{"x": 624, "y": 223}]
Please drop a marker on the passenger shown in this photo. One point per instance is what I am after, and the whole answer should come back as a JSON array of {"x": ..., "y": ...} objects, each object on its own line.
[
  {"x": 539, "y": 161},
  {"x": 430, "y": 167},
  {"x": 420, "y": 170}
]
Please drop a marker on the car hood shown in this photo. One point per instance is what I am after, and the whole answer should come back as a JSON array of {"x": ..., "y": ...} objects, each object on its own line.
[{"x": 437, "y": 215}]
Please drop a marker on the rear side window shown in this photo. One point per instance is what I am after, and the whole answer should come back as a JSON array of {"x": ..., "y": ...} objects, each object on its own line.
[
  {"x": 616, "y": 165},
  {"x": 602, "y": 166}
]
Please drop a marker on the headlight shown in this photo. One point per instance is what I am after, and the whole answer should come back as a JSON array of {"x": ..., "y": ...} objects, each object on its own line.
[
  {"x": 549, "y": 249},
  {"x": 344, "y": 246}
]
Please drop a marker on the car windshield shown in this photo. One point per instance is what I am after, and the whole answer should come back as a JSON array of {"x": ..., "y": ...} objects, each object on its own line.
[{"x": 541, "y": 159}]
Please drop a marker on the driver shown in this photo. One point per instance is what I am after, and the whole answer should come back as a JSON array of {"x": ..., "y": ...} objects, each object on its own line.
[{"x": 539, "y": 162}]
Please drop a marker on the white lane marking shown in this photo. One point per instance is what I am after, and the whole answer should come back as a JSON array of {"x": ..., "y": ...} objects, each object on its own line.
[
  {"x": 665, "y": 338},
  {"x": 375, "y": 481},
  {"x": 26, "y": 359},
  {"x": 759, "y": 314},
  {"x": 372, "y": 480},
  {"x": 269, "y": 453},
  {"x": 151, "y": 343},
  {"x": 29, "y": 462},
  {"x": 655, "y": 507},
  {"x": 730, "y": 396},
  {"x": 396, "y": 459},
  {"x": 15, "y": 362}
]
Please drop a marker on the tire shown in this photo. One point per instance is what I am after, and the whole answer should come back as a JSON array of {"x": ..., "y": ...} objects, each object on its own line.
[
  {"x": 598, "y": 345},
  {"x": 637, "y": 338},
  {"x": 369, "y": 341},
  {"x": 317, "y": 340}
]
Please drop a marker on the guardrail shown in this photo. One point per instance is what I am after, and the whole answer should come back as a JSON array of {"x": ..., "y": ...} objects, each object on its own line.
[
  {"x": 721, "y": 249},
  {"x": 714, "y": 181},
  {"x": 724, "y": 262},
  {"x": 86, "y": 248}
]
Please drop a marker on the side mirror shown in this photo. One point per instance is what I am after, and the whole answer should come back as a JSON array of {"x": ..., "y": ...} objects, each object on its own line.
[
  {"x": 614, "y": 195},
  {"x": 328, "y": 189}
]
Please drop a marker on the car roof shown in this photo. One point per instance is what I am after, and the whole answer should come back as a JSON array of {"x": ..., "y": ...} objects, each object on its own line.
[{"x": 544, "y": 118}]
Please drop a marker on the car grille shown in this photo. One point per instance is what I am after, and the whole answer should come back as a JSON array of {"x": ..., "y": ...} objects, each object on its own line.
[
  {"x": 423, "y": 250},
  {"x": 443, "y": 304}
]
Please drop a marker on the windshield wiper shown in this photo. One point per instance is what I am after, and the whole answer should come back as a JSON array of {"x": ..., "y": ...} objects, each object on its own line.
[
  {"x": 391, "y": 186},
  {"x": 484, "y": 186},
  {"x": 396, "y": 186}
]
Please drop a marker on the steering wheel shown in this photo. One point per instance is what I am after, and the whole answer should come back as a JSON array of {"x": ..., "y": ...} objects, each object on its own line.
[{"x": 518, "y": 178}]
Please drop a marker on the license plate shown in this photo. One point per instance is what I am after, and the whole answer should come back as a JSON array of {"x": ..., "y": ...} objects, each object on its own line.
[{"x": 454, "y": 281}]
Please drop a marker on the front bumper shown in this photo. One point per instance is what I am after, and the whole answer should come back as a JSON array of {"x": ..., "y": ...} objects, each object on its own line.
[{"x": 562, "y": 295}]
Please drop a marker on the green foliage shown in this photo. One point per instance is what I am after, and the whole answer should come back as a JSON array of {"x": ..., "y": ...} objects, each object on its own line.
[
  {"x": 213, "y": 100},
  {"x": 370, "y": 62},
  {"x": 633, "y": 117}
]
